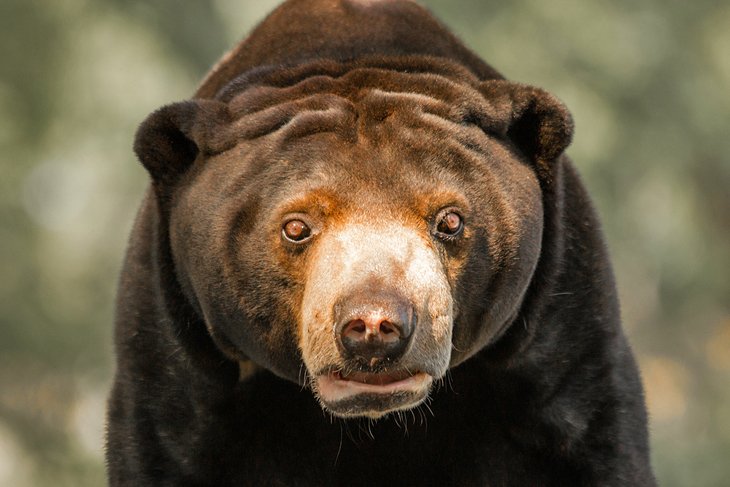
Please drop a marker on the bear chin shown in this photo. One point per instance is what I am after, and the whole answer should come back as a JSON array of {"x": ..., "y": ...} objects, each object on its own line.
[{"x": 371, "y": 395}]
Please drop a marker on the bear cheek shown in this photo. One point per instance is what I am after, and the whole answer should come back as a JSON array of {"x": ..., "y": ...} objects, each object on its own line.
[
  {"x": 507, "y": 251},
  {"x": 213, "y": 239},
  {"x": 355, "y": 260}
]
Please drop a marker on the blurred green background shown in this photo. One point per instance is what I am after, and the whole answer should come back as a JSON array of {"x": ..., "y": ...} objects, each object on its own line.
[{"x": 648, "y": 84}]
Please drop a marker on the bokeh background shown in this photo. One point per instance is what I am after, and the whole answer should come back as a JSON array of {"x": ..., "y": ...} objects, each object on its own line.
[{"x": 649, "y": 86}]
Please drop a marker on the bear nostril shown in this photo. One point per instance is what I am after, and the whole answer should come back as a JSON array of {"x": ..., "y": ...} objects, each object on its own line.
[
  {"x": 369, "y": 329},
  {"x": 389, "y": 332},
  {"x": 355, "y": 330},
  {"x": 376, "y": 335}
]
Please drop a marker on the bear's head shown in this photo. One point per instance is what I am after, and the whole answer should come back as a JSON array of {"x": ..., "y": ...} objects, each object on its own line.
[{"x": 356, "y": 226}]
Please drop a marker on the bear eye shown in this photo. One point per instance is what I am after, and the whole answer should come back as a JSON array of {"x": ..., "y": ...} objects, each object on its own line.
[
  {"x": 450, "y": 224},
  {"x": 296, "y": 231}
]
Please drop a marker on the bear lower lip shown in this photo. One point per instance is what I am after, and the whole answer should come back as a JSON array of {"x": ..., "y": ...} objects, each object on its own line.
[{"x": 395, "y": 390}]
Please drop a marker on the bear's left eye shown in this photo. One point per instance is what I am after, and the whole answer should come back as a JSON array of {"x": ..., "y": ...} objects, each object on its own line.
[
  {"x": 450, "y": 224},
  {"x": 296, "y": 231}
]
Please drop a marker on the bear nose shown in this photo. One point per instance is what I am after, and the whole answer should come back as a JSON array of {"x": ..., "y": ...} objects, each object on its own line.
[{"x": 377, "y": 331}]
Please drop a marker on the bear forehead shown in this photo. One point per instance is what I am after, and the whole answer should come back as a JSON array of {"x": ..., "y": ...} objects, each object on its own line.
[{"x": 351, "y": 100}]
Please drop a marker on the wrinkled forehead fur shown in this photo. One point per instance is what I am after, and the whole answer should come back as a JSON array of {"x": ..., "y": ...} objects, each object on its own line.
[{"x": 355, "y": 100}]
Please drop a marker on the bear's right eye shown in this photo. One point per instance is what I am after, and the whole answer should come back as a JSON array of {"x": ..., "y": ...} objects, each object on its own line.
[
  {"x": 296, "y": 231},
  {"x": 449, "y": 224}
]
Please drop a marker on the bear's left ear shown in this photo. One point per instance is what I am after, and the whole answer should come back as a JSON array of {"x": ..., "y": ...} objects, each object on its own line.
[
  {"x": 533, "y": 119},
  {"x": 170, "y": 139}
]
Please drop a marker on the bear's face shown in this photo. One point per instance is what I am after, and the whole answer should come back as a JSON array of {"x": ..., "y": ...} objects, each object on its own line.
[{"x": 359, "y": 233}]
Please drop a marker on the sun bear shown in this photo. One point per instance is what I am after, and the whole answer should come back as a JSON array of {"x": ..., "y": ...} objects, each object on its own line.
[{"x": 364, "y": 259}]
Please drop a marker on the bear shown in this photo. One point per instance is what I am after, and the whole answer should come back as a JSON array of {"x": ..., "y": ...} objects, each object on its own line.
[{"x": 364, "y": 258}]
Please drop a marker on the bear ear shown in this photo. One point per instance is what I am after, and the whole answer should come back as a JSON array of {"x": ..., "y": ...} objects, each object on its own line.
[
  {"x": 170, "y": 139},
  {"x": 533, "y": 119}
]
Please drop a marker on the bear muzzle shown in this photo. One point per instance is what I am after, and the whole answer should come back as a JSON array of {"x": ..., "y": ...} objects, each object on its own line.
[{"x": 376, "y": 321}]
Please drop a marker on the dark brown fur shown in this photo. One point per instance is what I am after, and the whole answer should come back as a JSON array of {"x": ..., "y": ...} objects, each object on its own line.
[{"x": 344, "y": 108}]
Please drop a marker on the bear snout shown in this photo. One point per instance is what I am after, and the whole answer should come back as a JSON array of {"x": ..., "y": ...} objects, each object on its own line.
[
  {"x": 376, "y": 320},
  {"x": 374, "y": 328}
]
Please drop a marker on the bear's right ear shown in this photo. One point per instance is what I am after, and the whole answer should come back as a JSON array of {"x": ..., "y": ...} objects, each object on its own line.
[{"x": 170, "y": 139}]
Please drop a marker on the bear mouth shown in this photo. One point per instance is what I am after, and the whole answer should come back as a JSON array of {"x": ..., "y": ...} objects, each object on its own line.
[{"x": 371, "y": 394}]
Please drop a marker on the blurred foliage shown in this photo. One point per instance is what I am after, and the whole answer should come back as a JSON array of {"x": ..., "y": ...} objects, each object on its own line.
[{"x": 646, "y": 82}]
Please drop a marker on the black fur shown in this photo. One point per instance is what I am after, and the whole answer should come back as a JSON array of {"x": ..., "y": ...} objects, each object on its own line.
[{"x": 551, "y": 398}]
